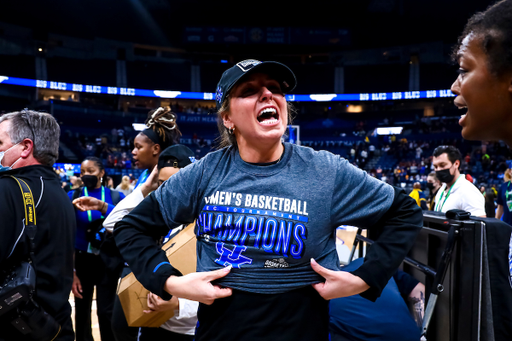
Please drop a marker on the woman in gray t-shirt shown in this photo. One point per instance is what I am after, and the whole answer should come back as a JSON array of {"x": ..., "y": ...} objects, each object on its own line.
[{"x": 266, "y": 214}]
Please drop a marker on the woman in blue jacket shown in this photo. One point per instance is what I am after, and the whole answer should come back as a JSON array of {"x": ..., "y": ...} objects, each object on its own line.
[{"x": 90, "y": 269}]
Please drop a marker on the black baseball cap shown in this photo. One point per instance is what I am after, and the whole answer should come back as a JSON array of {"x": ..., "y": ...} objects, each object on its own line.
[
  {"x": 231, "y": 76},
  {"x": 177, "y": 156}
]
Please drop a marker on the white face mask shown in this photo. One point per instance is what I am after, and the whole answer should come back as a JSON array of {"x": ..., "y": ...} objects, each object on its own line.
[{"x": 4, "y": 168}]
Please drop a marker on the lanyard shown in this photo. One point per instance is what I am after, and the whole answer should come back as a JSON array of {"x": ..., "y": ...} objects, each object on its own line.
[
  {"x": 439, "y": 206},
  {"x": 142, "y": 179},
  {"x": 86, "y": 193},
  {"x": 508, "y": 196}
]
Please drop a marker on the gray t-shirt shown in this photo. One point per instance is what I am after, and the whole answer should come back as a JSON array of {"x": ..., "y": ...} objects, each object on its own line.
[{"x": 269, "y": 221}]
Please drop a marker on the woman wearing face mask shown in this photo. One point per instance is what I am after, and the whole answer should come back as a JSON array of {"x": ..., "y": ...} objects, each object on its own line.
[
  {"x": 162, "y": 131},
  {"x": 266, "y": 213},
  {"x": 90, "y": 269}
]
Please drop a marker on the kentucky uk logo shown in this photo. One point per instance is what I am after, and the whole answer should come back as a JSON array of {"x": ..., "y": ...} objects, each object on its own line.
[{"x": 231, "y": 257}]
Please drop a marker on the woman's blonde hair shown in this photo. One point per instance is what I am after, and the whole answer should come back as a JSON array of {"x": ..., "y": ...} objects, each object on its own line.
[
  {"x": 508, "y": 175},
  {"x": 125, "y": 182}
]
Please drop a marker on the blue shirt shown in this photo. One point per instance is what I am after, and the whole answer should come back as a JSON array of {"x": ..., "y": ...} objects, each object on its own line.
[
  {"x": 502, "y": 200},
  {"x": 271, "y": 220},
  {"x": 386, "y": 319},
  {"x": 82, "y": 218},
  {"x": 142, "y": 178}
]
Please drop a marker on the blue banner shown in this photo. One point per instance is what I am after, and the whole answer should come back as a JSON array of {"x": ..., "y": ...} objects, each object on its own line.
[{"x": 107, "y": 90}]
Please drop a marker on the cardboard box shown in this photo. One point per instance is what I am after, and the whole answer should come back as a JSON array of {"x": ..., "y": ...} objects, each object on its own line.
[{"x": 181, "y": 252}]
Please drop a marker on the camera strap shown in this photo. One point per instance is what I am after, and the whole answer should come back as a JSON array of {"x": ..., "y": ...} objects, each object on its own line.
[{"x": 30, "y": 212}]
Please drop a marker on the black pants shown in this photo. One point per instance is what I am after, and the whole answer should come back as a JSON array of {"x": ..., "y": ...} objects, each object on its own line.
[
  {"x": 338, "y": 337},
  {"x": 122, "y": 331},
  {"x": 157, "y": 334},
  {"x": 91, "y": 271},
  {"x": 297, "y": 315}
]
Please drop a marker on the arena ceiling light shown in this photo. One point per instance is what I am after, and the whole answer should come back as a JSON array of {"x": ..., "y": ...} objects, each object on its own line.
[
  {"x": 354, "y": 108},
  {"x": 322, "y": 98},
  {"x": 139, "y": 126},
  {"x": 389, "y": 130},
  {"x": 167, "y": 94}
]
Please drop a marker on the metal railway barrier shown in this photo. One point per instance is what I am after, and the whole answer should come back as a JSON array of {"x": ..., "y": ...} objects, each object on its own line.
[{"x": 464, "y": 263}]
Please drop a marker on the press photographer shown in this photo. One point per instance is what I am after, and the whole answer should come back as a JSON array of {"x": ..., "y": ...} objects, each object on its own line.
[{"x": 37, "y": 229}]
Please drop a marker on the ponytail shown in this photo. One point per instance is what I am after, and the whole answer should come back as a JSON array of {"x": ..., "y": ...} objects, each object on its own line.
[{"x": 162, "y": 128}]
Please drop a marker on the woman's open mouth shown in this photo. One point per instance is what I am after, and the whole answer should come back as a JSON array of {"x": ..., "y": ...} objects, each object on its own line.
[
  {"x": 461, "y": 106},
  {"x": 268, "y": 116}
]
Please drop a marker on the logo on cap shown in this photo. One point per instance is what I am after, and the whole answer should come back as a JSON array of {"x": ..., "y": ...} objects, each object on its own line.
[
  {"x": 218, "y": 95},
  {"x": 248, "y": 64}
]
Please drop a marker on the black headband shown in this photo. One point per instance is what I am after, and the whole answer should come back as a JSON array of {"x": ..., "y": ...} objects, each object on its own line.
[{"x": 153, "y": 136}]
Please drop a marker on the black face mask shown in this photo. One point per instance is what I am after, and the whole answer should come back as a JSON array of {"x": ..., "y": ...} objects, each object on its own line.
[
  {"x": 444, "y": 175},
  {"x": 430, "y": 186},
  {"x": 90, "y": 181}
]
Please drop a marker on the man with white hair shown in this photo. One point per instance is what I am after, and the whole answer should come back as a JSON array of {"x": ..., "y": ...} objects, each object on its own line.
[{"x": 29, "y": 146}]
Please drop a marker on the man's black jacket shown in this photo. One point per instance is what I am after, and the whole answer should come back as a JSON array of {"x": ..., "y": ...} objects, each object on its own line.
[{"x": 54, "y": 242}]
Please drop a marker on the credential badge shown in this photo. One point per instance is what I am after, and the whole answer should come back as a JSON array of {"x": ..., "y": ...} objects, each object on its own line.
[{"x": 510, "y": 259}]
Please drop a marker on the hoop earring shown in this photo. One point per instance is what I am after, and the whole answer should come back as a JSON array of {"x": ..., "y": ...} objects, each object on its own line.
[{"x": 231, "y": 130}]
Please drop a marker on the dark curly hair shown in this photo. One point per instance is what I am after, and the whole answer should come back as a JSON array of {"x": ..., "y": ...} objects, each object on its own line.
[
  {"x": 163, "y": 122},
  {"x": 493, "y": 27},
  {"x": 97, "y": 161},
  {"x": 452, "y": 153}
]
